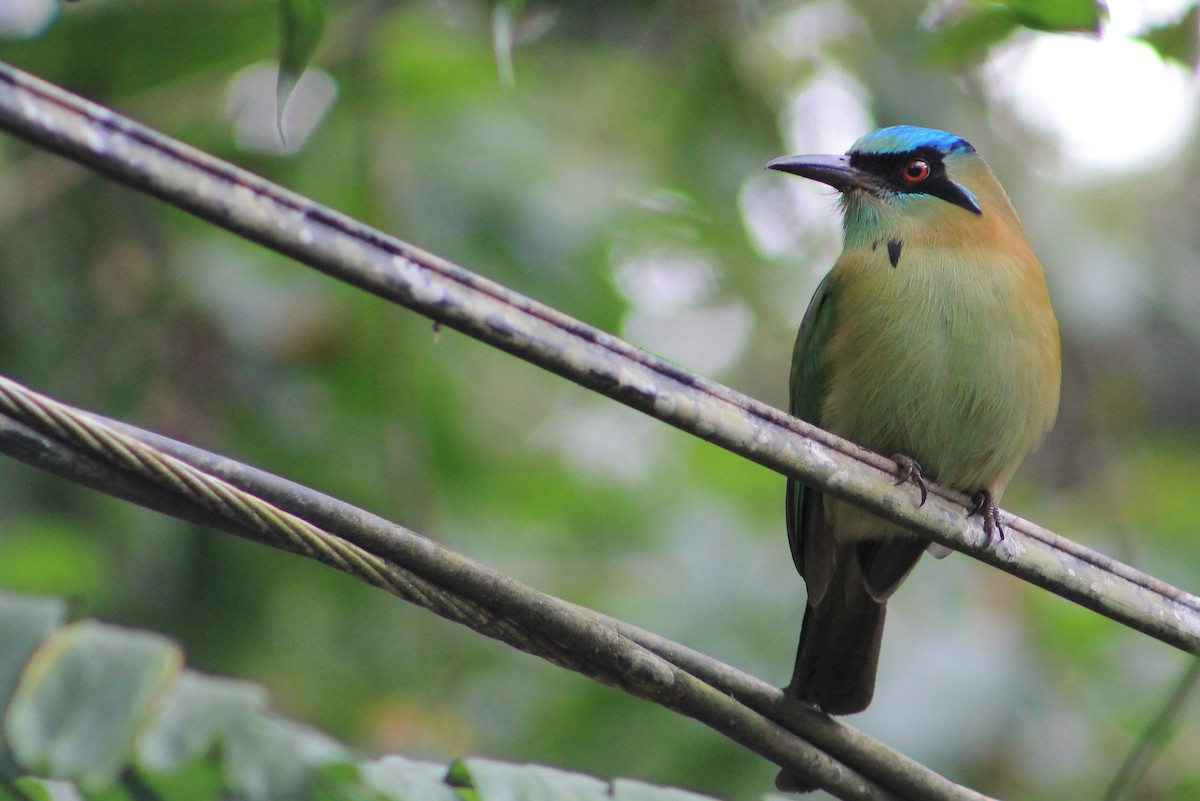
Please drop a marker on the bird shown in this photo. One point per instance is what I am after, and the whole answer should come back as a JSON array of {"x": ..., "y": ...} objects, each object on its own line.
[{"x": 932, "y": 340}]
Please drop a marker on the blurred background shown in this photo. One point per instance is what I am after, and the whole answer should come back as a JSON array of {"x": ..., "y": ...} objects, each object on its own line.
[{"x": 611, "y": 166}]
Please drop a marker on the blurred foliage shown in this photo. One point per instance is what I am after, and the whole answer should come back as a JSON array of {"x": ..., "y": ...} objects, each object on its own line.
[
  {"x": 618, "y": 178},
  {"x": 301, "y": 24},
  {"x": 1179, "y": 40},
  {"x": 1058, "y": 15},
  {"x": 110, "y": 713},
  {"x": 971, "y": 29}
]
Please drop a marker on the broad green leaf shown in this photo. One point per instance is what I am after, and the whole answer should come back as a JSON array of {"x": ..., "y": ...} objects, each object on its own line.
[
  {"x": 270, "y": 759},
  {"x": 342, "y": 781},
  {"x": 968, "y": 38},
  {"x": 25, "y": 621},
  {"x": 197, "y": 713},
  {"x": 161, "y": 43},
  {"x": 1178, "y": 41},
  {"x": 125, "y": 788},
  {"x": 84, "y": 694},
  {"x": 401, "y": 779},
  {"x": 1058, "y": 15},
  {"x": 502, "y": 781},
  {"x": 630, "y": 790},
  {"x": 38, "y": 789},
  {"x": 202, "y": 779},
  {"x": 302, "y": 22}
]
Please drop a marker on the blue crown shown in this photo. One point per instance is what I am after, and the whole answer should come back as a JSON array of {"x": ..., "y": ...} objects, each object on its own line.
[{"x": 907, "y": 138}]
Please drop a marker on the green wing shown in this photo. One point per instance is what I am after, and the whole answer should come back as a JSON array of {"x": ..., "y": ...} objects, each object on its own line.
[{"x": 811, "y": 549}]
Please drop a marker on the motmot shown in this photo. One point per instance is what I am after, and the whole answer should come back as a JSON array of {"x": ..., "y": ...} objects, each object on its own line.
[{"x": 933, "y": 340}]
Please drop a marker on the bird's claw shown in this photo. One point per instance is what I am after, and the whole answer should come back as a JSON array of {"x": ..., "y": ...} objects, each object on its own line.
[
  {"x": 986, "y": 508},
  {"x": 907, "y": 469}
]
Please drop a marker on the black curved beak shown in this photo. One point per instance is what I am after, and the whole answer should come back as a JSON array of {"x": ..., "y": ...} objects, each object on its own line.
[{"x": 833, "y": 170}]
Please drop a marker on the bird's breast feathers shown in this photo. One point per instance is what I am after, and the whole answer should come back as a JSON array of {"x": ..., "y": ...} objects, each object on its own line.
[{"x": 950, "y": 356}]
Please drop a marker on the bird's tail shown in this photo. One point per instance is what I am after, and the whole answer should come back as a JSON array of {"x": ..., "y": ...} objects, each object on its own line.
[
  {"x": 839, "y": 651},
  {"x": 836, "y": 661}
]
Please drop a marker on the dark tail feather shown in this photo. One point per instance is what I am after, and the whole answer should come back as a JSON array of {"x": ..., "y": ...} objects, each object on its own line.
[
  {"x": 836, "y": 661},
  {"x": 841, "y": 635},
  {"x": 839, "y": 651}
]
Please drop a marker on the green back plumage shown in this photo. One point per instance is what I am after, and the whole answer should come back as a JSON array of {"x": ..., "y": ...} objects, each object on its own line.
[{"x": 808, "y": 386}]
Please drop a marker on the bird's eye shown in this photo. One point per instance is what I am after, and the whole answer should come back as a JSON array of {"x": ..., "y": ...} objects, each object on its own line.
[{"x": 915, "y": 171}]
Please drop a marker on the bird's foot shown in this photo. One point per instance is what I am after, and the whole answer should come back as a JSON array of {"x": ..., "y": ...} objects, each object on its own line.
[
  {"x": 907, "y": 469},
  {"x": 986, "y": 508}
]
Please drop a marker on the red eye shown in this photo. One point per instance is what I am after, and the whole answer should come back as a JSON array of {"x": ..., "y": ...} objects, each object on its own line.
[{"x": 915, "y": 171}]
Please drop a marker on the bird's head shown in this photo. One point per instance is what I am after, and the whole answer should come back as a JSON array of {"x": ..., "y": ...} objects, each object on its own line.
[{"x": 899, "y": 178}]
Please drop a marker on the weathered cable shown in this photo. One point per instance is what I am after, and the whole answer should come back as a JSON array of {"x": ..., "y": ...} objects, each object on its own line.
[
  {"x": 467, "y": 593},
  {"x": 404, "y": 547}
]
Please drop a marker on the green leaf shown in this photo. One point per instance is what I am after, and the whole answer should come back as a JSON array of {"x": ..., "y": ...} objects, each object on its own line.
[
  {"x": 84, "y": 694},
  {"x": 502, "y": 781},
  {"x": 109, "y": 709},
  {"x": 25, "y": 622},
  {"x": 302, "y": 22},
  {"x": 505, "y": 15},
  {"x": 194, "y": 718},
  {"x": 973, "y": 31},
  {"x": 202, "y": 779},
  {"x": 1178, "y": 41},
  {"x": 342, "y": 781},
  {"x": 271, "y": 759},
  {"x": 400, "y": 779},
  {"x": 38, "y": 789},
  {"x": 630, "y": 790},
  {"x": 1058, "y": 15},
  {"x": 968, "y": 38}
]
